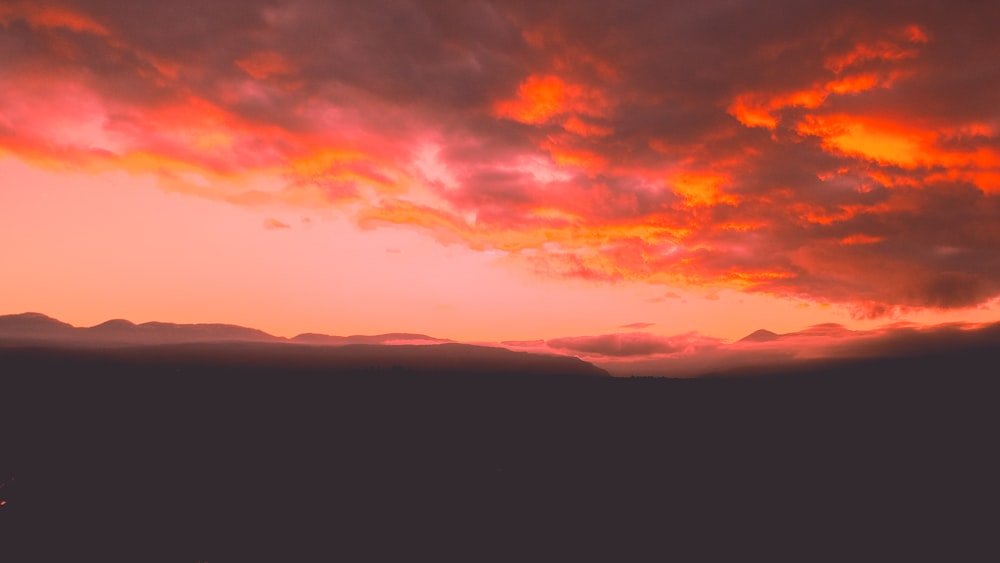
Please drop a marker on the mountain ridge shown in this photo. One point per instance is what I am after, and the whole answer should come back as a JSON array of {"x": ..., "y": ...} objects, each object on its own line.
[
  {"x": 38, "y": 326},
  {"x": 42, "y": 340},
  {"x": 760, "y": 335}
]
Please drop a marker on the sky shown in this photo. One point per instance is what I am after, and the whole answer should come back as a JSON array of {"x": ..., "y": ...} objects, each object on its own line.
[{"x": 491, "y": 171}]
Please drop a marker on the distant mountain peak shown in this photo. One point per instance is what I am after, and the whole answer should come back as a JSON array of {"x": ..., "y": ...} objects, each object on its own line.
[
  {"x": 115, "y": 324},
  {"x": 762, "y": 335},
  {"x": 203, "y": 332},
  {"x": 398, "y": 336},
  {"x": 388, "y": 338},
  {"x": 21, "y": 324},
  {"x": 28, "y": 315},
  {"x": 37, "y": 327}
]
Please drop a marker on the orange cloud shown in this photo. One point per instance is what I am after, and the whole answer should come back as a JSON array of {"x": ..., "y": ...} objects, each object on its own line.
[
  {"x": 760, "y": 108},
  {"x": 756, "y": 109},
  {"x": 884, "y": 50},
  {"x": 861, "y": 239},
  {"x": 541, "y": 97},
  {"x": 701, "y": 189},
  {"x": 852, "y": 84},
  {"x": 575, "y": 125},
  {"x": 907, "y": 145},
  {"x": 567, "y": 156},
  {"x": 885, "y": 143},
  {"x": 800, "y": 160}
]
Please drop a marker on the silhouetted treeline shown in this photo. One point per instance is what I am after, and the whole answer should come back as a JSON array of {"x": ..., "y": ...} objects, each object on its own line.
[{"x": 122, "y": 458}]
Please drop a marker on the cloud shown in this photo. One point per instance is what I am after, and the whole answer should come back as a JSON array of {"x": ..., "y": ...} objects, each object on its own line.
[
  {"x": 629, "y": 344},
  {"x": 661, "y": 299},
  {"x": 808, "y": 348},
  {"x": 840, "y": 153},
  {"x": 638, "y": 325},
  {"x": 524, "y": 343},
  {"x": 272, "y": 224}
]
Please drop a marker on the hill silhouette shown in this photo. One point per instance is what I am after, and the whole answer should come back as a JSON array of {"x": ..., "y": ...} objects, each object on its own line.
[
  {"x": 36, "y": 327},
  {"x": 388, "y": 338},
  {"x": 279, "y": 451},
  {"x": 33, "y": 325},
  {"x": 37, "y": 338},
  {"x": 39, "y": 328}
]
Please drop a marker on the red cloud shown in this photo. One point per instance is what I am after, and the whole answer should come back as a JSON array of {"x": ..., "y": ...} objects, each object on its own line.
[{"x": 840, "y": 154}]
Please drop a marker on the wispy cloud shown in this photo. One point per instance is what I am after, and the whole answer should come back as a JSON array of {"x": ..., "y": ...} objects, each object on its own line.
[
  {"x": 272, "y": 223},
  {"x": 638, "y": 326}
]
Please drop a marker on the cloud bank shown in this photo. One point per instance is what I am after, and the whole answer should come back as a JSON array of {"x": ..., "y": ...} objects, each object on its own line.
[
  {"x": 841, "y": 153},
  {"x": 764, "y": 352}
]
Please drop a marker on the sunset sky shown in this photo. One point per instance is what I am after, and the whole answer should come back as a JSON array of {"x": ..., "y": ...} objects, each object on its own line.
[{"x": 494, "y": 171}]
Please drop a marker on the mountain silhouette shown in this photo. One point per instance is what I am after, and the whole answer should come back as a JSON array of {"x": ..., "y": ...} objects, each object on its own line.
[
  {"x": 35, "y": 325},
  {"x": 210, "y": 332},
  {"x": 244, "y": 450},
  {"x": 762, "y": 335},
  {"x": 250, "y": 451},
  {"x": 114, "y": 325},
  {"x": 224, "y": 346},
  {"x": 388, "y": 338}
]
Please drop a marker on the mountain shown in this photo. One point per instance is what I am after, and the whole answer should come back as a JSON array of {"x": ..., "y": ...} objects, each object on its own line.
[
  {"x": 211, "y": 332},
  {"x": 114, "y": 326},
  {"x": 36, "y": 327},
  {"x": 240, "y": 449},
  {"x": 158, "y": 333},
  {"x": 33, "y": 325},
  {"x": 761, "y": 335},
  {"x": 389, "y": 338},
  {"x": 234, "y": 347},
  {"x": 39, "y": 328}
]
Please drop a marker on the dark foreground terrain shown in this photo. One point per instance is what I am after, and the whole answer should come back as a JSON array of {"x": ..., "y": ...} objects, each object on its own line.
[{"x": 178, "y": 457}]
